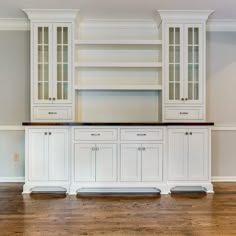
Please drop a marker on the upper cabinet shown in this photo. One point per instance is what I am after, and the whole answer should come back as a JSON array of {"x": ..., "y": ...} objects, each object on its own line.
[
  {"x": 51, "y": 64},
  {"x": 184, "y": 64}
]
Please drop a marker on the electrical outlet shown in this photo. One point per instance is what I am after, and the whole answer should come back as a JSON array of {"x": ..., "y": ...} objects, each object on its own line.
[{"x": 16, "y": 156}]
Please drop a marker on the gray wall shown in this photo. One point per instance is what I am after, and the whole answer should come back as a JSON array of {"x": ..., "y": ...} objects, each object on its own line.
[
  {"x": 221, "y": 100},
  {"x": 14, "y": 77}
]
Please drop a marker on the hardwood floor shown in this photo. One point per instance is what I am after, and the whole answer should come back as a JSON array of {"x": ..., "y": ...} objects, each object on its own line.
[{"x": 176, "y": 214}]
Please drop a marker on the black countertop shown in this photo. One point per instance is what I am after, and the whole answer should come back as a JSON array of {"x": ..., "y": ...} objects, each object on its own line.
[{"x": 118, "y": 124}]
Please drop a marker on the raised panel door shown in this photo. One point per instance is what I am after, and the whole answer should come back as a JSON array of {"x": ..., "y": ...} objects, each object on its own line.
[
  {"x": 152, "y": 155},
  {"x": 38, "y": 154},
  {"x": 177, "y": 154},
  {"x": 130, "y": 162},
  {"x": 198, "y": 154},
  {"x": 58, "y": 154},
  {"x": 106, "y": 162},
  {"x": 84, "y": 162}
]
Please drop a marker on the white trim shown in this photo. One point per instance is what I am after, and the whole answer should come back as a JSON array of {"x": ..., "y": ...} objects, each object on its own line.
[
  {"x": 12, "y": 179},
  {"x": 221, "y": 25},
  {"x": 11, "y": 127},
  {"x": 14, "y": 24},
  {"x": 223, "y": 178}
]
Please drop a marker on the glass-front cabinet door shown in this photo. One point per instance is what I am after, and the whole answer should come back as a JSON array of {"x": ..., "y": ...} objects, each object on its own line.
[
  {"x": 52, "y": 63},
  {"x": 193, "y": 64}
]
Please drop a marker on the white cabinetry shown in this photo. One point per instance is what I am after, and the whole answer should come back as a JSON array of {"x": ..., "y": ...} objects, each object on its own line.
[
  {"x": 51, "y": 64},
  {"x": 189, "y": 156},
  {"x": 184, "y": 64},
  {"x": 47, "y": 159}
]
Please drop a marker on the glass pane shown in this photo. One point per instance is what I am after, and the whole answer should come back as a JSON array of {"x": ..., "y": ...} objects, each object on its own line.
[
  {"x": 171, "y": 35},
  {"x": 59, "y": 53},
  {"x": 190, "y": 72},
  {"x": 65, "y": 53},
  {"x": 59, "y": 90},
  {"x": 196, "y": 91},
  {"x": 171, "y": 72},
  {"x": 40, "y": 35},
  {"x": 190, "y": 91},
  {"x": 65, "y": 91},
  {"x": 46, "y": 90},
  {"x": 45, "y": 35},
  {"x": 45, "y": 53},
  {"x": 65, "y": 72},
  {"x": 190, "y": 54},
  {"x": 177, "y": 54},
  {"x": 177, "y": 72},
  {"x": 177, "y": 91},
  {"x": 171, "y": 54},
  {"x": 177, "y": 36},
  {"x": 171, "y": 91},
  {"x": 59, "y": 35},
  {"x": 196, "y": 36},
  {"x": 45, "y": 72},
  {"x": 196, "y": 54},
  {"x": 59, "y": 72},
  {"x": 65, "y": 35},
  {"x": 40, "y": 72},
  {"x": 40, "y": 91},
  {"x": 190, "y": 36},
  {"x": 40, "y": 53},
  {"x": 196, "y": 73}
]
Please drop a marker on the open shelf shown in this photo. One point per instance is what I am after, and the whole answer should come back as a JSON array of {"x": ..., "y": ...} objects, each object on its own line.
[
  {"x": 119, "y": 64},
  {"x": 118, "y": 42},
  {"x": 119, "y": 87}
]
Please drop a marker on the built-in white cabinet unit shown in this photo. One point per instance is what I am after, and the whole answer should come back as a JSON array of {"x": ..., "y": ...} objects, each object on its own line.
[
  {"x": 141, "y": 162},
  {"x": 47, "y": 157},
  {"x": 184, "y": 64},
  {"x": 51, "y": 64},
  {"x": 188, "y": 155},
  {"x": 95, "y": 162}
]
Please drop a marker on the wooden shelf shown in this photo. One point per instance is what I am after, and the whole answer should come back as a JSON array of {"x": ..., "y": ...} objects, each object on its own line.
[
  {"x": 118, "y": 42},
  {"x": 120, "y": 64},
  {"x": 119, "y": 87}
]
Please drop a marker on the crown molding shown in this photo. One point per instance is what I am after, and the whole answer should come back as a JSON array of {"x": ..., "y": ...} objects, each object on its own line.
[
  {"x": 176, "y": 15},
  {"x": 51, "y": 14},
  {"x": 14, "y": 24},
  {"x": 222, "y": 25}
]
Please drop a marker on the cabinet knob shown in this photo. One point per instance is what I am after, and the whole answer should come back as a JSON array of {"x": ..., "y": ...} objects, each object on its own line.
[
  {"x": 186, "y": 133},
  {"x": 93, "y": 148},
  {"x": 143, "y": 148},
  {"x": 190, "y": 133},
  {"x": 54, "y": 99},
  {"x": 186, "y": 99},
  {"x": 50, "y": 133},
  {"x": 182, "y": 99},
  {"x": 139, "y": 148},
  {"x": 45, "y": 133},
  {"x": 49, "y": 99},
  {"x": 97, "y": 148}
]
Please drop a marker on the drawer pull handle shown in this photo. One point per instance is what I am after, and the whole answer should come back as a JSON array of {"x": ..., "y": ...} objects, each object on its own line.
[
  {"x": 141, "y": 134},
  {"x": 183, "y": 113},
  {"x": 52, "y": 113},
  {"x": 95, "y": 134}
]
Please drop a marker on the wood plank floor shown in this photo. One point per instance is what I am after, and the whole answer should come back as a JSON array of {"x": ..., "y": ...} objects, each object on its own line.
[{"x": 176, "y": 214}]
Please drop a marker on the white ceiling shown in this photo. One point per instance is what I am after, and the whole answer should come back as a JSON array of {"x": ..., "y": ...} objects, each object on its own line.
[{"x": 125, "y": 9}]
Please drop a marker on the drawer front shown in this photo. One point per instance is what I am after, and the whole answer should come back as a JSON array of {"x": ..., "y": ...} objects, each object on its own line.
[
  {"x": 48, "y": 113},
  {"x": 183, "y": 113},
  {"x": 96, "y": 134},
  {"x": 141, "y": 134}
]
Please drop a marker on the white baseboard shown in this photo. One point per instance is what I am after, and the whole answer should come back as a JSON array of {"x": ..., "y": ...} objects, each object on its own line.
[
  {"x": 223, "y": 178},
  {"x": 12, "y": 179}
]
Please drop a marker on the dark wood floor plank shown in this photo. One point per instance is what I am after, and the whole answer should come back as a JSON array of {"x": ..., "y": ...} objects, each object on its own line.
[{"x": 174, "y": 214}]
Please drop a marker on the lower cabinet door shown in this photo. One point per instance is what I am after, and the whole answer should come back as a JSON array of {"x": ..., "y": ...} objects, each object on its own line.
[
  {"x": 152, "y": 156},
  {"x": 198, "y": 154},
  {"x": 130, "y": 162},
  {"x": 177, "y": 154},
  {"x": 106, "y": 162},
  {"x": 84, "y": 162},
  {"x": 37, "y": 161},
  {"x": 58, "y": 154}
]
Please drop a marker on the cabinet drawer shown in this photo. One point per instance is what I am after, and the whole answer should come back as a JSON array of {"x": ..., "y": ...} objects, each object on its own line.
[
  {"x": 48, "y": 113},
  {"x": 96, "y": 134},
  {"x": 141, "y": 134},
  {"x": 183, "y": 113}
]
